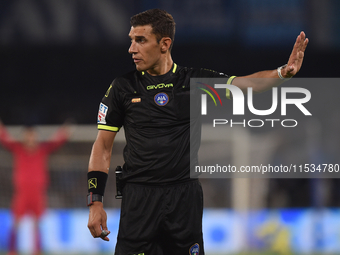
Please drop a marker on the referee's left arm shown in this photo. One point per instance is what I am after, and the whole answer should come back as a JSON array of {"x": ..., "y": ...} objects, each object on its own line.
[{"x": 265, "y": 80}]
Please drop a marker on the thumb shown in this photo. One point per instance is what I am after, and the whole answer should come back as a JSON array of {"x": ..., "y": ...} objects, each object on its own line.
[
  {"x": 105, "y": 231},
  {"x": 290, "y": 69}
]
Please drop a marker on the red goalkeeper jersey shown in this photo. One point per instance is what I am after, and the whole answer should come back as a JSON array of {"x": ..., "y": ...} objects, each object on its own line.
[{"x": 30, "y": 166}]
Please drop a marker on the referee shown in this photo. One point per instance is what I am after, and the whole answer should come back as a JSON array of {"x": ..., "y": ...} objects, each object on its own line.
[{"x": 161, "y": 212}]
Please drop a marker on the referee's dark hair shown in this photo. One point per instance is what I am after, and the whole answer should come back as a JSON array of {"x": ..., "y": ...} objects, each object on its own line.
[{"x": 162, "y": 23}]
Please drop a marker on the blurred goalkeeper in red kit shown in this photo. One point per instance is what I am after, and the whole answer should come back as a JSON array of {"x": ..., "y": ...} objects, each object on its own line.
[{"x": 30, "y": 177}]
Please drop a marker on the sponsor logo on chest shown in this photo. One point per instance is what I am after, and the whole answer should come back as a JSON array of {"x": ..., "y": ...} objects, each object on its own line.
[{"x": 160, "y": 86}]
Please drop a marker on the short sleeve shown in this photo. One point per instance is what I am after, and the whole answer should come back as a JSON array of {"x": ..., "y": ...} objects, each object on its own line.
[{"x": 111, "y": 112}]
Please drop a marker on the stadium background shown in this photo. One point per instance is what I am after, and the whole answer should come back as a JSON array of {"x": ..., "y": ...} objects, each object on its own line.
[{"x": 58, "y": 58}]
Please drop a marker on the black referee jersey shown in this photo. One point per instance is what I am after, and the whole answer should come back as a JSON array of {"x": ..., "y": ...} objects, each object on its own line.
[{"x": 155, "y": 113}]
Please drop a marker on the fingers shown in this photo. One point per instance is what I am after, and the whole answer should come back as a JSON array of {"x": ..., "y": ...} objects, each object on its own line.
[
  {"x": 302, "y": 41},
  {"x": 297, "y": 55},
  {"x": 94, "y": 227},
  {"x": 104, "y": 235},
  {"x": 97, "y": 231},
  {"x": 305, "y": 44},
  {"x": 105, "y": 232},
  {"x": 97, "y": 222}
]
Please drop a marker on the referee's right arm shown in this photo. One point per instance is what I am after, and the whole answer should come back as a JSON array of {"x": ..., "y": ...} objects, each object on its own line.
[
  {"x": 101, "y": 151},
  {"x": 100, "y": 162}
]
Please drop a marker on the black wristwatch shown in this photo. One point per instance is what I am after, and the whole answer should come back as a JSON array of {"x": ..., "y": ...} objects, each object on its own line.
[{"x": 93, "y": 197}]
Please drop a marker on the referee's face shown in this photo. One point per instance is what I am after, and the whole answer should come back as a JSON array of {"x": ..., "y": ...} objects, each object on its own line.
[{"x": 145, "y": 50}]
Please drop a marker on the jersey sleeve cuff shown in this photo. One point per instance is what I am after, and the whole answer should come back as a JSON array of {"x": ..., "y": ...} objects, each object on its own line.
[
  {"x": 108, "y": 128},
  {"x": 230, "y": 80}
]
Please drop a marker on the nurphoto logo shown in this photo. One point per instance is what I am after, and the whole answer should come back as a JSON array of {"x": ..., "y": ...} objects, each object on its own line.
[{"x": 238, "y": 99}]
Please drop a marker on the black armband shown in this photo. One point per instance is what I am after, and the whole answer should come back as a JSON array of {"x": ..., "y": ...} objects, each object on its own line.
[{"x": 96, "y": 182}]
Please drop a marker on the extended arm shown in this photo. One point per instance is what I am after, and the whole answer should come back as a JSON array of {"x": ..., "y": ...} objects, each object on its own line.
[
  {"x": 100, "y": 161},
  {"x": 270, "y": 78},
  {"x": 58, "y": 138},
  {"x": 5, "y": 138}
]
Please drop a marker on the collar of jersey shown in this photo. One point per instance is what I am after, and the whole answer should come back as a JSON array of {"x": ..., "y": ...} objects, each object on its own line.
[{"x": 172, "y": 70}]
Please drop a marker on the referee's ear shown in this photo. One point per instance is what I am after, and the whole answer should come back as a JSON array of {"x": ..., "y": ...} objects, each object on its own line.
[{"x": 165, "y": 44}]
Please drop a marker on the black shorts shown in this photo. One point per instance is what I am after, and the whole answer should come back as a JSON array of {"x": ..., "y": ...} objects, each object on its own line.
[{"x": 161, "y": 220}]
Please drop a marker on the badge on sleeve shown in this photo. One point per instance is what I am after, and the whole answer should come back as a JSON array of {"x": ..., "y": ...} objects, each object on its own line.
[{"x": 102, "y": 113}]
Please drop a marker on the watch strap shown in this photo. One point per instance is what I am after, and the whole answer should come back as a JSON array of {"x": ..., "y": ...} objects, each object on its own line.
[{"x": 93, "y": 198}]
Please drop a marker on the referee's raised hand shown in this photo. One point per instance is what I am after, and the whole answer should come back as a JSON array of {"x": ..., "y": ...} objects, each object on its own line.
[
  {"x": 296, "y": 57},
  {"x": 97, "y": 221}
]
